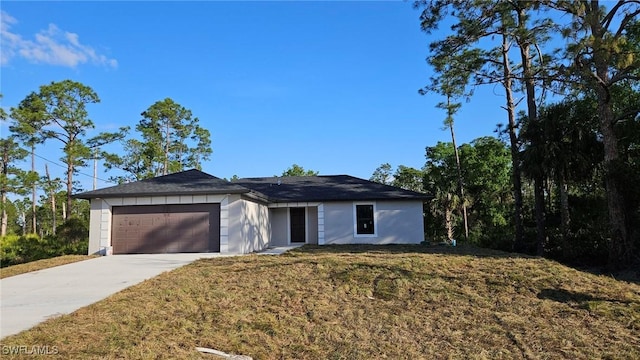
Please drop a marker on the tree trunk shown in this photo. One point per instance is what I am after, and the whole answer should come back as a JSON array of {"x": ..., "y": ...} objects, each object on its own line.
[
  {"x": 460, "y": 182},
  {"x": 24, "y": 223},
  {"x": 5, "y": 220},
  {"x": 69, "y": 188},
  {"x": 516, "y": 177},
  {"x": 3, "y": 190},
  {"x": 619, "y": 244},
  {"x": 53, "y": 212},
  {"x": 532, "y": 114},
  {"x": 565, "y": 220},
  {"x": 33, "y": 189},
  {"x": 165, "y": 171},
  {"x": 52, "y": 196},
  {"x": 64, "y": 211},
  {"x": 448, "y": 218},
  {"x": 538, "y": 193},
  {"x": 548, "y": 187}
]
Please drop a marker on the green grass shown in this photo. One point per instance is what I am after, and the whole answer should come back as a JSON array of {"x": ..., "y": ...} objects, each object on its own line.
[
  {"x": 396, "y": 302},
  {"x": 41, "y": 264}
]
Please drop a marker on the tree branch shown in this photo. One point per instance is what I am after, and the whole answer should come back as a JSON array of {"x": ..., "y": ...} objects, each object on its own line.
[
  {"x": 606, "y": 21},
  {"x": 625, "y": 21},
  {"x": 622, "y": 75},
  {"x": 626, "y": 114}
]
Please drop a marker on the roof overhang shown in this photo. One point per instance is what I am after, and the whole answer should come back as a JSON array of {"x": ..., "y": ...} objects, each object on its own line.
[{"x": 88, "y": 195}]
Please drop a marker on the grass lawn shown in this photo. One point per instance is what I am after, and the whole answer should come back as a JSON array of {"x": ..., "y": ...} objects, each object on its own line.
[
  {"x": 396, "y": 302},
  {"x": 41, "y": 264}
]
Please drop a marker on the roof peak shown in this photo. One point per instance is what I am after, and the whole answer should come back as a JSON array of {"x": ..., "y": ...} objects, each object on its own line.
[{"x": 299, "y": 176}]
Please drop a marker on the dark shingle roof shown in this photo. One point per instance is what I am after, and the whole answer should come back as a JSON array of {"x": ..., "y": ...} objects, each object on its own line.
[
  {"x": 193, "y": 182},
  {"x": 325, "y": 188},
  {"x": 272, "y": 189}
]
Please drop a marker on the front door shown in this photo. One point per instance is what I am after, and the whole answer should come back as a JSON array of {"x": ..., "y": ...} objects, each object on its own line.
[{"x": 297, "y": 224}]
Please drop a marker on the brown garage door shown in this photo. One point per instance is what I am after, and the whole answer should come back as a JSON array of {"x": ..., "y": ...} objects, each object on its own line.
[{"x": 148, "y": 229}]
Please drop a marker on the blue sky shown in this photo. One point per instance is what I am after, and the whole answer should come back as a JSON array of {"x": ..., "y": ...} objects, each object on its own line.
[{"x": 331, "y": 86}]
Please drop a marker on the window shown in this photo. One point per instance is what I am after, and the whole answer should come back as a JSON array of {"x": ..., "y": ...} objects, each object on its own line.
[{"x": 365, "y": 224}]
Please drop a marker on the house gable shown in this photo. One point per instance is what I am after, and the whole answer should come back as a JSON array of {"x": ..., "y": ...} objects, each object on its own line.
[{"x": 190, "y": 182}]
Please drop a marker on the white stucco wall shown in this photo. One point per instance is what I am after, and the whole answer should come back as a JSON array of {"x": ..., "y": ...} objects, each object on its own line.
[
  {"x": 312, "y": 225},
  {"x": 249, "y": 226},
  {"x": 279, "y": 226},
  {"x": 396, "y": 222},
  {"x": 400, "y": 222},
  {"x": 99, "y": 226}
]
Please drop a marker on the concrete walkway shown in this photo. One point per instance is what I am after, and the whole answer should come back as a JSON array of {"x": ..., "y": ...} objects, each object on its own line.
[
  {"x": 279, "y": 249},
  {"x": 29, "y": 299}
]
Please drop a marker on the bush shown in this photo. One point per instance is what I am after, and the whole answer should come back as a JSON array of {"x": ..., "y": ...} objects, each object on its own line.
[
  {"x": 72, "y": 231},
  {"x": 10, "y": 250},
  {"x": 71, "y": 239},
  {"x": 59, "y": 245}
]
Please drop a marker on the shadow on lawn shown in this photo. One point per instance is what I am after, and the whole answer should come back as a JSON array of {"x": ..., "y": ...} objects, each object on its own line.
[
  {"x": 574, "y": 297},
  {"x": 463, "y": 250},
  {"x": 629, "y": 275}
]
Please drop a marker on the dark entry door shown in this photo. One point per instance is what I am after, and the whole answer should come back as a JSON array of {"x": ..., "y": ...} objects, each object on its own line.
[{"x": 297, "y": 223}]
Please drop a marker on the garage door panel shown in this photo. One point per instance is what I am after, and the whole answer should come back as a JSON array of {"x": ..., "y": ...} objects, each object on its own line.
[{"x": 166, "y": 228}]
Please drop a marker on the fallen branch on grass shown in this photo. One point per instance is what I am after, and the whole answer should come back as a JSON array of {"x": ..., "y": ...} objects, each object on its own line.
[{"x": 223, "y": 354}]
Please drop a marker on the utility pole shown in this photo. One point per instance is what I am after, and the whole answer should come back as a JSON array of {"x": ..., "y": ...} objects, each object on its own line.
[{"x": 95, "y": 172}]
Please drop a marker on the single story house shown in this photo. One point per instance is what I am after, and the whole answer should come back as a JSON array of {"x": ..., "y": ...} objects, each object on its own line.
[{"x": 192, "y": 211}]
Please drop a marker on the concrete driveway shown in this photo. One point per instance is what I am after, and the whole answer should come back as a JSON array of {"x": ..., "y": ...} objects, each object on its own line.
[{"x": 28, "y": 299}]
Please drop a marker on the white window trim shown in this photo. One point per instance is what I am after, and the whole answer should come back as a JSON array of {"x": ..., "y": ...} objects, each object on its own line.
[{"x": 355, "y": 220}]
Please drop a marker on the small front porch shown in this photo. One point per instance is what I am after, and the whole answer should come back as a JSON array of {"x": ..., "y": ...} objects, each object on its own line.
[{"x": 296, "y": 223}]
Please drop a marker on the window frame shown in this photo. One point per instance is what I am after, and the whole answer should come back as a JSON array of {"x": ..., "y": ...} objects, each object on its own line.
[{"x": 355, "y": 219}]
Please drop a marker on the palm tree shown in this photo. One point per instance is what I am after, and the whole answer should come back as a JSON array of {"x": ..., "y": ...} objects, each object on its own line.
[
  {"x": 441, "y": 180},
  {"x": 562, "y": 146}
]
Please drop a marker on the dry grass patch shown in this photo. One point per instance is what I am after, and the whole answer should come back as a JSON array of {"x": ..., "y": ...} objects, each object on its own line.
[
  {"x": 41, "y": 264},
  {"x": 359, "y": 303}
]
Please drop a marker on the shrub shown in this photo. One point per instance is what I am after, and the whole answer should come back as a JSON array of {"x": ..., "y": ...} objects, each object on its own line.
[
  {"x": 9, "y": 250},
  {"x": 71, "y": 239},
  {"x": 72, "y": 231},
  {"x": 21, "y": 249}
]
